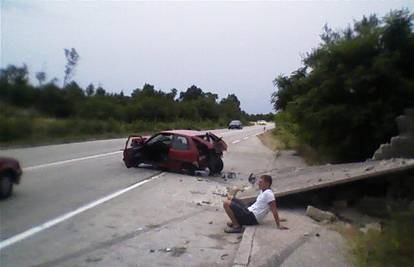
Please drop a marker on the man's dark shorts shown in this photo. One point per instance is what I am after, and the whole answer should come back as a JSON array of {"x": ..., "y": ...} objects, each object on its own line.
[{"x": 243, "y": 215}]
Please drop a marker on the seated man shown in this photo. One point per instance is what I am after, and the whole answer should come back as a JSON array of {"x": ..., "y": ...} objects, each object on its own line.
[{"x": 241, "y": 215}]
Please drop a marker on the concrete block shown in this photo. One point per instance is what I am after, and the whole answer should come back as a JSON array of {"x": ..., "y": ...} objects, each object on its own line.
[
  {"x": 401, "y": 146},
  {"x": 320, "y": 215}
]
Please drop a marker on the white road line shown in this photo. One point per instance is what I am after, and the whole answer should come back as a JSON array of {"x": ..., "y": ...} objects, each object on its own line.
[
  {"x": 70, "y": 160},
  {"x": 235, "y": 142},
  {"x": 64, "y": 217}
]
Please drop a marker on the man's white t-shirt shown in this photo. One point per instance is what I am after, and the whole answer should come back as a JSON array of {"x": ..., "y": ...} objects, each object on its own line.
[{"x": 261, "y": 207}]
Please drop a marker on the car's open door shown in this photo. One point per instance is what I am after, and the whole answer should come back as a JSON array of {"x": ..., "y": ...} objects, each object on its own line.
[{"x": 132, "y": 143}]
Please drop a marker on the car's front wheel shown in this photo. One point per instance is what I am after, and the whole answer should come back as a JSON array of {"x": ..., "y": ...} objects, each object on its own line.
[
  {"x": 215, "y": 165},
  {"x": 6, "y": 185}
]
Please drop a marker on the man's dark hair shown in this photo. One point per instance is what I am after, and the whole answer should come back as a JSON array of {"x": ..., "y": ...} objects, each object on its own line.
[{"x": 267, "y": 179}]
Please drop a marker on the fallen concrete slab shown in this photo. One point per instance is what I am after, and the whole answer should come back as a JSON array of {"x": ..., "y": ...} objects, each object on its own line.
[{"x": 290, "y": 181}]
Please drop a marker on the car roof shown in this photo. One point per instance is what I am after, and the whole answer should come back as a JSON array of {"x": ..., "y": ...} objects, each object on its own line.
[{"x": 185, "y": 132}]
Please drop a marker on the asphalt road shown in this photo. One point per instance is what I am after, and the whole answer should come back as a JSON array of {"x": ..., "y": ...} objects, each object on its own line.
[{"x": 61, "y": 179}]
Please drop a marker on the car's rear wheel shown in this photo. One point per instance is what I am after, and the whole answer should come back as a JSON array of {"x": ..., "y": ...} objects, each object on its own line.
[
  {"x": 6, "y": 185},
  {"x": 215, "y": 165}
]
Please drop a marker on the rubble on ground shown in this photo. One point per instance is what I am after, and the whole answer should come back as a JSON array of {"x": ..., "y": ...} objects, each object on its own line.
[{"x": 371, "y": 226}]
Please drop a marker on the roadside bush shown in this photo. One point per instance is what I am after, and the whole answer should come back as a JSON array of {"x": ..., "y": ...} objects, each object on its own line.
[
  {"x": 15, "y": 128},
  {"x": 344, "y": 100},
  {"x": 393, "y": 247}
]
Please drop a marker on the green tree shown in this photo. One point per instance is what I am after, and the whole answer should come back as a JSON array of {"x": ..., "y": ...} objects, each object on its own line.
[
  {"x": 349, "y": 91},
  {"x": 41, "y": 77},
  {"x": 72, "y": 58}
]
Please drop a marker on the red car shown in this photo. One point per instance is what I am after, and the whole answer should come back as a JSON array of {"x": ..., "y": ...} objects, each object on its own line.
[
  {"x": 176, "y": 150},
  {"x": 10, "y": 173}
]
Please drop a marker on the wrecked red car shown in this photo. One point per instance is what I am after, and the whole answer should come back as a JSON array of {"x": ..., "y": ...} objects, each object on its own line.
[
  {"x": 176, "y": 150},
  {"x": 10, "y": 173}
]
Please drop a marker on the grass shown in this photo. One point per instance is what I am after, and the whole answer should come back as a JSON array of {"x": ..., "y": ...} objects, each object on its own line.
[
  {"x": 31, "y": 131},
  {"x": 271, "y": 141},
  {"x": 391, "y": 247},
  {"x": 281, "y": 138}
]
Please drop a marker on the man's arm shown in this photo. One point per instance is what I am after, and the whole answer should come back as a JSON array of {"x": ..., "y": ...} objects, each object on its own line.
[{"x": 273, "y": 208}]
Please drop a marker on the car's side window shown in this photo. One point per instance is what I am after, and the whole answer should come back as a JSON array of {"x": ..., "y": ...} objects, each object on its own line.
[
  {"x": 180, "y": 143},
  {"x": 161, "y": 138}
]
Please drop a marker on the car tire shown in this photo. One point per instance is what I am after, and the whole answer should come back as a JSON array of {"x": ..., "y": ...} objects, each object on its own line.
[
  {"x": 189, "y": 169},
  {"x": 215, "y": 165},
  {"x": 6, "y": 185}
]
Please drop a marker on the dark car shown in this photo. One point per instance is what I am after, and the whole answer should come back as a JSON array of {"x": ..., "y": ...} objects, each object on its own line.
[
  {"x": 235, "y": 125},
  {"x": 10, "y": 174},
  {"x": 176, "y": 150}
]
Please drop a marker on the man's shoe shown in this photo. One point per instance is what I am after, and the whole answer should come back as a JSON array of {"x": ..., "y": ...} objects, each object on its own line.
[{"x": 233, "y": 230}]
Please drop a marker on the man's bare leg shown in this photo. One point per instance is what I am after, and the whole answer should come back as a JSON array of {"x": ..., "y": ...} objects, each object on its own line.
[{"x": 230, "y": 213}]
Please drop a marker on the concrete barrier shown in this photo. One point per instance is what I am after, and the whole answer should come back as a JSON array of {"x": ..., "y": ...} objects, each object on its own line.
[{"x": 401, "y": 146}]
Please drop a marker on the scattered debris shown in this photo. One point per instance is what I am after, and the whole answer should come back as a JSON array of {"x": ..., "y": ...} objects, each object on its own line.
[
  {"x": 320, "y": 215},
  {"x": 175, "y": 251},
  {"x": 223, "y": 256},
  {"x": 369, "y": 168},
  {"x": 220, "y": 194},
  {"x": 210, "y": 222},
  {"x": 93, "y": 259},
  {"x": 320, "y": 180},
  {"x": 206, "y": 202},
  {"x": 197, "y": 192},
  {"x": 198, "y": 204},
  {"x": 252, "y": 179},
  {"x": 200, "y": 179},
  {"x": 317, "y": 234},
  {"x": 371, "y": 226},
  {"x": 277, "y": 154},
  {"x": 229, "y": 175},
  {"x": 181, "y": 180},
  {"x": 152, "y": 226},
  {"x": 152, "y": 250},
  {"x": 306, "y": 234}
]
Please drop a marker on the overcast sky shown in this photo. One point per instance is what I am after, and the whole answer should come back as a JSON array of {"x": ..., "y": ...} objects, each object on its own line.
[{"x": 222, "y": 47}]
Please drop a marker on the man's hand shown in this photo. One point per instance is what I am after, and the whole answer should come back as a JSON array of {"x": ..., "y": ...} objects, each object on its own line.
[{"x": 281, "y": 227}]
